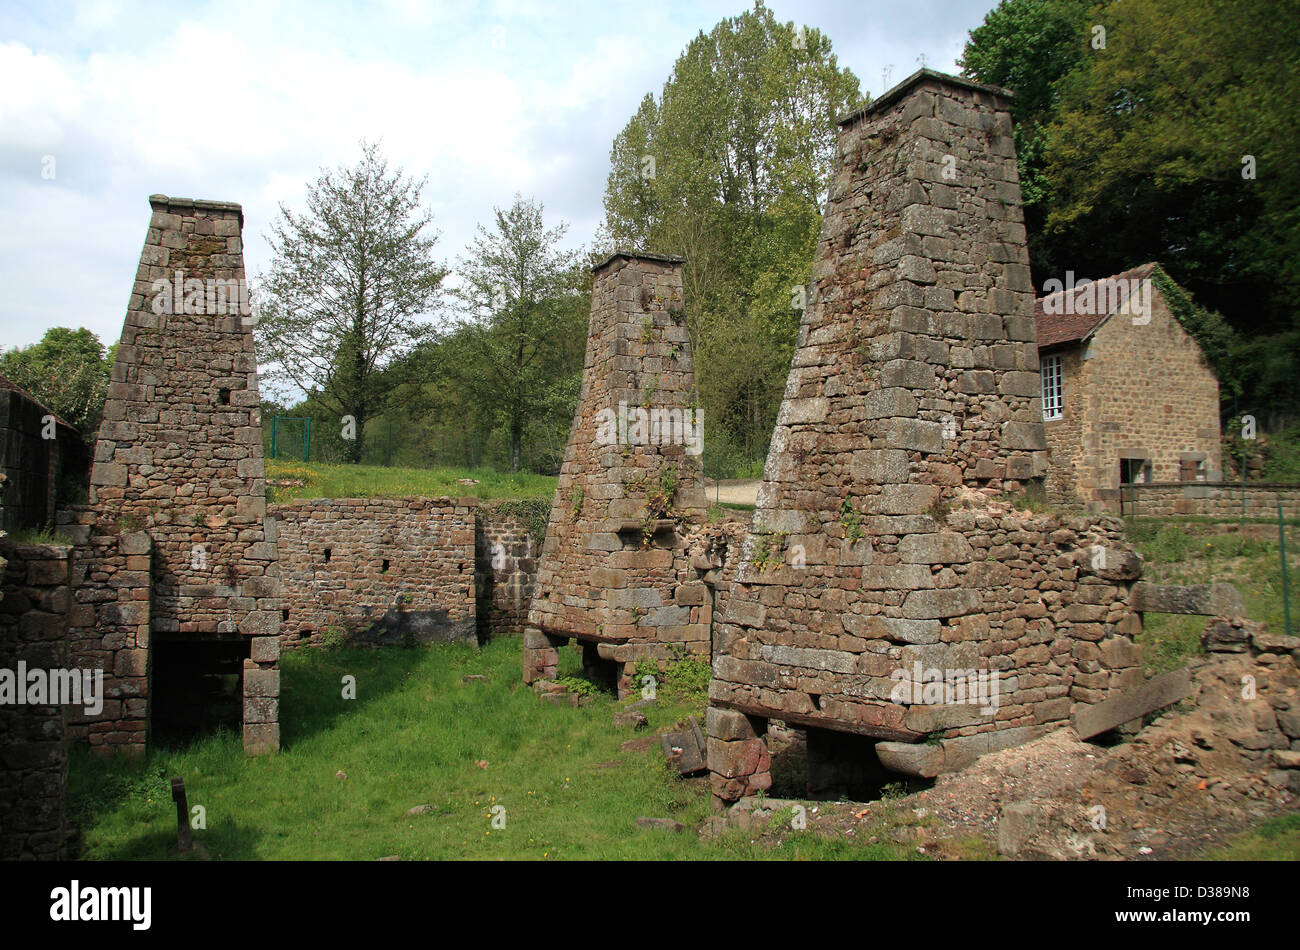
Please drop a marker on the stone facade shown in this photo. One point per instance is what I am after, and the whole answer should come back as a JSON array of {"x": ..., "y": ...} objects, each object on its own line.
[
  {"x": 179, "y": 454},
  {"x": 880, "y": 549},
  {"x": 1135, "y": 390},
  {"x": 33, "y": 737},
  {"x": 383, "y": 570},
  {"x": 614, "y": 571}
]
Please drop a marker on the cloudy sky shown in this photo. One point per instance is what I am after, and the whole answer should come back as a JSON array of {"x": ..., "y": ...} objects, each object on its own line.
[{"x": 245, "y": 100}]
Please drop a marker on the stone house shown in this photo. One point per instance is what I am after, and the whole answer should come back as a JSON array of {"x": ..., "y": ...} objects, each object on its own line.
[{"x": 1127, "y": 393}]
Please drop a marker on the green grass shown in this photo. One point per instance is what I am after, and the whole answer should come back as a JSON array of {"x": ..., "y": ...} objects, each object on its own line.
[
  {"x": 36, "y": 536},
  {"x": 414, "y": 736},
  {"x": 377, "y": 481},
  {"x": 1277, "y": 839}
]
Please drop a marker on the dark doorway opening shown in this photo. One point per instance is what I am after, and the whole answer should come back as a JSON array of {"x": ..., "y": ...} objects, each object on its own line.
[
  {"x": 604, "y": 673},
  {"x": 824, "y": 765},
  {"x": 196, "y": 688}
]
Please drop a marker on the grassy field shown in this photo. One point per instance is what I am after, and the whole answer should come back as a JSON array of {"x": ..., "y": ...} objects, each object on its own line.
[
  {"x": 1199, "y": 552},
  {"x": 419, "y": 734},
  {"x": 287, "y": 480},
  {"x": 1277, "y": 839}
]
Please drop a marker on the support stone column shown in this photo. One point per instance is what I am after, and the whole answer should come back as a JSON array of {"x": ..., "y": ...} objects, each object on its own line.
[{"x": 737, "y": 755}]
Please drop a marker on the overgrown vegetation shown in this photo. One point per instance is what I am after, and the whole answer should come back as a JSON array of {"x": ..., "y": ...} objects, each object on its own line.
[
  {"x": 1202, "y": 552},
  {"x": 683, "y": 681}
]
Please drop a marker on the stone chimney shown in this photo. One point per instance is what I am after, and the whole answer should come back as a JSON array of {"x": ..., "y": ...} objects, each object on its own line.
[{"x": 614, "y": 571}]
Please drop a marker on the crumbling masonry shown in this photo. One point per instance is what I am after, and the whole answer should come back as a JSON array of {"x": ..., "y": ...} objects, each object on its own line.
[
  {"x": 615, "y": 570},
  {"x": 878, "y": 551}
]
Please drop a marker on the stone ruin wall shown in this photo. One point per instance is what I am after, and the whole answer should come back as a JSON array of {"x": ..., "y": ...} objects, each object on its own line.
[
  {"x": 506, "y": 556},
  {"x": 385, "y": 570},
  {"x": 108, "y": 629},
  {"x": 179, "y": 454},
  {"x": 33, "y": 738},
  {"x": 28, "y": 462},
  {"x": 614, "y": 571},
  {"x": 912, "y": 404},
  {"x": 1220, "y": 500}
]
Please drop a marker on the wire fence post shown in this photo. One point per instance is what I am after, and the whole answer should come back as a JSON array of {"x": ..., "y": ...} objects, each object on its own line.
[
  {"x": 1286, "y": 587},
  {"x": 1243, "y": 485}
]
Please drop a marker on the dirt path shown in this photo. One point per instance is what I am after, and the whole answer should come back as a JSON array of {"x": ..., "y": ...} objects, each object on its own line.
[{"x": 732, "y": 491}]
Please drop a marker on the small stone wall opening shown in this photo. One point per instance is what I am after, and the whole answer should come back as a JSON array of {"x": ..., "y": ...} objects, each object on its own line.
[
  {"x": 196, "y": 688},
  {"x": 825, "y": 765},
  {"x": 604, "y": 673}
]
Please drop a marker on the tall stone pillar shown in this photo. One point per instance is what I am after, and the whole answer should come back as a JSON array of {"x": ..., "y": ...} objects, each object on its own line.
[
  {"x": 912, "y": 401},
  {"x": 614, "y": 570},
  {"x": 179, "y": 452}
]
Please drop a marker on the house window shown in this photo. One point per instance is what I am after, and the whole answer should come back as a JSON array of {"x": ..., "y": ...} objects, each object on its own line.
[
  {"x": 1053, "y": 393},
  {"x": 1134, "y": 471}
]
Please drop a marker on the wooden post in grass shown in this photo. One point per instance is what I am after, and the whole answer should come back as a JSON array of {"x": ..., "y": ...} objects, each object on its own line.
[{"x": 183, "y": 840}]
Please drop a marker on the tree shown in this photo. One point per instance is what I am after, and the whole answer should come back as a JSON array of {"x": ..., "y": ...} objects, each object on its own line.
[
  {"x": 348, "y": 283},
  {"x": 67, "y": 372},
  {"x": 522, "y": 304},
  {"x": 1164, "y": 130},
  {"x": 729, "y": 167}
]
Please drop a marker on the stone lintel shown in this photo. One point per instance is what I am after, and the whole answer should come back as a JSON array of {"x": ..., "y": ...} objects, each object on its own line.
[
  {"x": 638, "y": 256},
  {"x": 897, "y": 92},
  {"x": 822, "y": 722},
  {"x": 168, "y": 203}
]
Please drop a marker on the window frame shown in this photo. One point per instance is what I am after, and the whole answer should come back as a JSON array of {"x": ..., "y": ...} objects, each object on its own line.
[{"x": 1052, "y": 371}]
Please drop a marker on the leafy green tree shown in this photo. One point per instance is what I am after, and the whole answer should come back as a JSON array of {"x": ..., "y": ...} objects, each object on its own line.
[
  {"x": 522, "y": 319},
  {"x": 1027, "y": 46},
  {"x": 728, "y": 167},
  {"x": 1139, "y": 127},
  {"x": 67, "y": 371},
  {"x": 350, "y": 281},
  {"x": 1179, "y": 142}
]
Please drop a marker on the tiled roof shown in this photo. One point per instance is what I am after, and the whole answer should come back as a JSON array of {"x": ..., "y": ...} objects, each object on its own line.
[{"x": 1070, "y": 325}]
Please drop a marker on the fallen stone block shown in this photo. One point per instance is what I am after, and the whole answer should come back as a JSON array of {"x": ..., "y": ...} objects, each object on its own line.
[
  {"x": 1210, "y": 600},
  {"x": 631, "y": 717},
  {"x": 685, "y": 750},
  {"x": 1156, "y": 693},
  {"x": 1018, "y": 823}
]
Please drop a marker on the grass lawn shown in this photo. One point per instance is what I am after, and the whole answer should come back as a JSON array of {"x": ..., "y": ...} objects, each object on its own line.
[
  {"x": 415, "y": 735},
  {"x": 1277, "y": 839},
  {"x": 377, "y": 481}
]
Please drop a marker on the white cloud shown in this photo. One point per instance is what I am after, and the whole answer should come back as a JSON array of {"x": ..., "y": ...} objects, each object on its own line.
[{"x": 246, "y": 102}]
